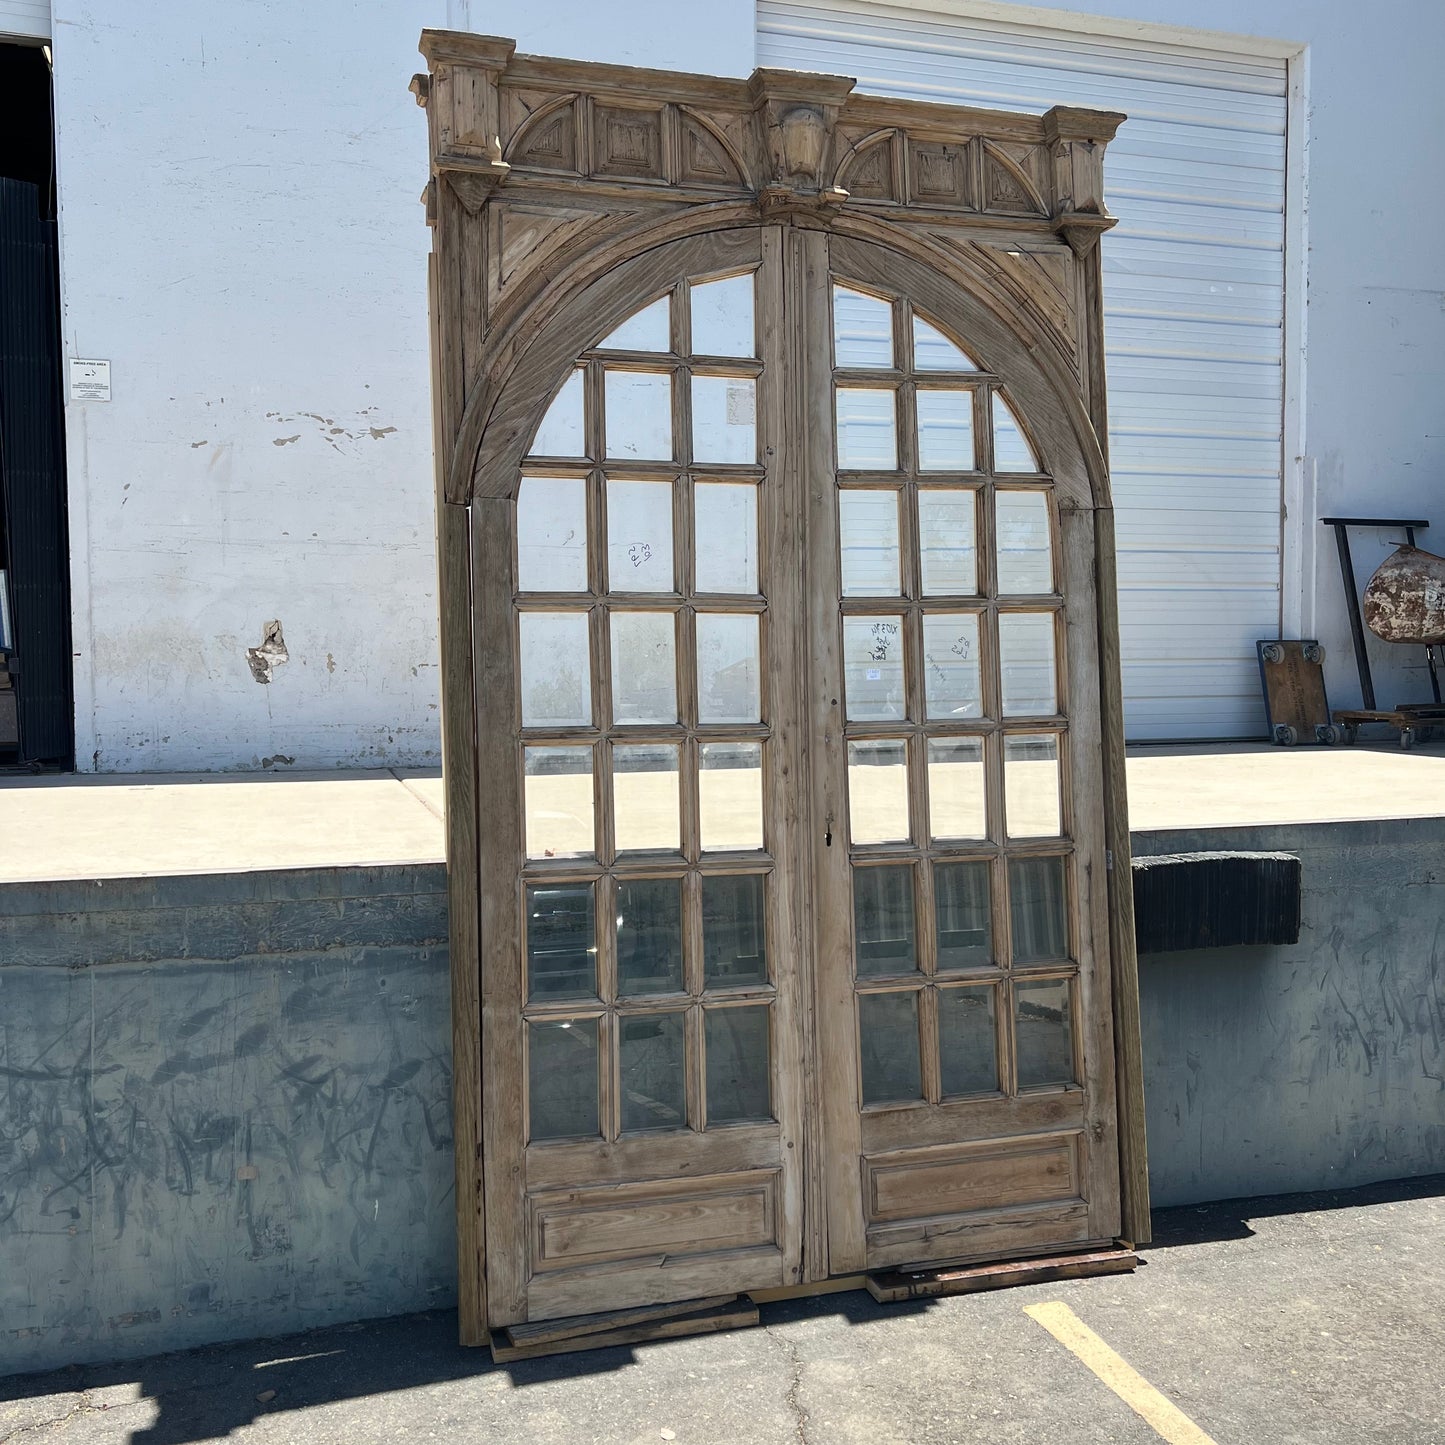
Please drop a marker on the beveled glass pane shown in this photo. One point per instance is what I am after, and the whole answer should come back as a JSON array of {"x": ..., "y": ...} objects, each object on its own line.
[
  {"x": 868, "y": 539},
  {"x": 947, "y": 539},
  {"x": 1012, "y": 451},
  {"x": 561, "y": 941},
  {"x": 878, "y": 791},
  {"x": 722, "y": 317},
  {"x": 639, "y": 536},
  {"x": 557, "y": 802},
  {"x": 727, "y": 667},
  {"x": 644, "y": 667},
  {"x": 957, "y": 794},
  {"x": 1031, "y": 807},
  {"x": 1026, "y": 662},
  {"x": 647, "y": 330},
  {"x": 552, "y": 534},
  {"x": 963, "y": 915},
  {"x": 945, "y": 431},
  {"x": 725, "y": 520},
  {"x": 1024, "y": 548},
  {"x": 933, "y": 351},
  {"x": 867, "y": 430},
  {"x": 883, "y": 928},
  {"x": 734, "y": 930},
  {"x": 1037, "y": 902},
  {"x": 649, "y": 935},
  {"x": 645, "y": 797},
  {"x": 562, "y": 1079},
  {"x": 873, "y": 668},
  {"x": 561, "y": 433},
  {"x": 967, "y": 1040},
  {"x": 862, "y": 329},
  {"x": 739, "y": 1070},
  {"x": 952, "y": 681},
  {"x": 888, "y": 1043},
  {"x": 652, "y": 1052},
  {"x": 1043, "y": 1032},
  {"x": 639, "y": 414},
  {"x": 556, "y": 669},
  {"x": 730, "y": 796},
  {"x": 724, "y": 419}
]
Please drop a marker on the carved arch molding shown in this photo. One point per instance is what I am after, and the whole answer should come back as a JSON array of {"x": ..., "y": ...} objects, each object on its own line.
[{"x": 551, "y": 180}]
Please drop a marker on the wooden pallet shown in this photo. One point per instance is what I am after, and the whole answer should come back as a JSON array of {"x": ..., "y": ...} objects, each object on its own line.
[
  {"x": 1415, "y": 721},
  {"x": 624, "y": 1327},
  {"x": 896, "y": 1285}
]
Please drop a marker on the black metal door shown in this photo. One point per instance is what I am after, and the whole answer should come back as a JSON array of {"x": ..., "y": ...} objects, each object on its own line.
[{"x": 32, "y": 475}]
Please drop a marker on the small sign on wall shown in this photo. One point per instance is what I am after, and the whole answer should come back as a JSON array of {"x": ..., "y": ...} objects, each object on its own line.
[{"x": 89, "y": 380}]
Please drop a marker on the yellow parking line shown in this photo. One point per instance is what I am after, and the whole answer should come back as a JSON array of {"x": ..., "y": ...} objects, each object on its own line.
[{"x": 1165, "y": 1418}]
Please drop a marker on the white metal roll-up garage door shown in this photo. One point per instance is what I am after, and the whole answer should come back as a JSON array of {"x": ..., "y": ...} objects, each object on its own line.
[
  {"x": 1193, "y": 300},
  {"x": 25, "y": 19}
]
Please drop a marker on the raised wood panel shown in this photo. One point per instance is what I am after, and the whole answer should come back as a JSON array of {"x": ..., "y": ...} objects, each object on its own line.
[
  {"x": 910, "y": 1183},
  {"x": 684, "y": 1155},
  {"x": 627, "y": 141},
  {"x": 643, "y": 1221}
]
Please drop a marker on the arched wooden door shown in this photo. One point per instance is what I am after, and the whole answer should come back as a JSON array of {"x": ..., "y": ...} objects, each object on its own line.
[{"x": 791, "y": 860}]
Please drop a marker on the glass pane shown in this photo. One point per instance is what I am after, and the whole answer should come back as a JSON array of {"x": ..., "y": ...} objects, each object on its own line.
[
  {"x": 730, "y": 796},
  {"x": 1036, "y": 909},
  {"x": 561, "y": 433},
  {"x": 557, "y": 794},
  {"x": 644, "y": 667},
  {"x": 883, "y": 934},
  {"x": 722, "y": 318},
  {"x": 947, "y": 542},
  {"x": 1031, "y": 786},
  {"x": 867, "y": 440},
  {"x": 562, "y": 1079},
  {"x": 639, "y": 415},
  {"x": 933, "y": 351},
  {"x": 952, "y": 683},
  {"x": 649, "y": 935},
  {"x": 639, "y": 536},
  {"x": 652, "y": 1051},
  {"x": 1011, "y": 449},
  {"x": 727, "y": 667},
  {"x": 739, "y": 1071},
  {"x": 1026, "y": 660},
  {"x": 1025, "y": 552},
  {"x": 945, "y": 431},
  {"x": 956, "y": 789},
  {"x": 967, "y": 1040},
  {"x": 645, "y": 796},
  {"x": 561, "y": 942},
  {"x": 734, "y": 931},
  {"x": 1043, "y": 1033},
  {"x": 963, "y": 915},
  {"x": 552, "y": 534},
  {"x": 878, "y": 791},
  {"x": 868, "y": 538},
  {"x": 888, "y": 1043},
  {"x": 556, "y": 670},
  {"x": 725, "y": 518},
  {"x": 724, "y": 418},
  {"x": 862, "y": 329},
  {"x": 873, "y": 668},
  {"x": 647, "y": 330}
]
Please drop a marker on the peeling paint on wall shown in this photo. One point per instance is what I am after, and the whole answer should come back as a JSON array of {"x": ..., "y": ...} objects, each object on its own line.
[{"x": 270, "y": 655}]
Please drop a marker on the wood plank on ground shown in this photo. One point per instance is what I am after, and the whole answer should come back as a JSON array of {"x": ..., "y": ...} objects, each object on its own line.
[
  {"x": 738, "y": 1313},
  {"x": 893, "y": 1285}
]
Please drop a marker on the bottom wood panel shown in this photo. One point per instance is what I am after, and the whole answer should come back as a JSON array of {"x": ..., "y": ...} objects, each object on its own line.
[{"x": 989, "y": 1234}]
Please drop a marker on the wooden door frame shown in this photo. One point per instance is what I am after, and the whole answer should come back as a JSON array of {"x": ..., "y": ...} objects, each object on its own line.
[{"x": 547, "y": 175}]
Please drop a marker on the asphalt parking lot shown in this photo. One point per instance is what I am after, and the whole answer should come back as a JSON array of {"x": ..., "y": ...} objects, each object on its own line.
[{"x": 1294, "y": 1321}]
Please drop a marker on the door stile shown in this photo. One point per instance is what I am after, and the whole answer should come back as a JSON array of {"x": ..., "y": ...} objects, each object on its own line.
[
  {"x": 786, "y": 802},
  {"x": 840, "y": 1138},
  {"x": 498, "y": 762}
]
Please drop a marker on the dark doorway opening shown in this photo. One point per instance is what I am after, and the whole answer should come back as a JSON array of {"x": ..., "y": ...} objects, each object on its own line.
[{"x": 36, "y": 706}]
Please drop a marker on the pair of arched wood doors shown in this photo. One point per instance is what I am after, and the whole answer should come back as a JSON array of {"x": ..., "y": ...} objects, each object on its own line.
[{"x": 791, "y": 868}]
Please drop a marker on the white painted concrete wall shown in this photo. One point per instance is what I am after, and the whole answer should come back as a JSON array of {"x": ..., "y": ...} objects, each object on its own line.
[{"x": 241, "y": 238}]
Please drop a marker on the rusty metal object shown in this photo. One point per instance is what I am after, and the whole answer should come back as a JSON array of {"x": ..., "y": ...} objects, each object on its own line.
[{"x": 1405, "y": 599}]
